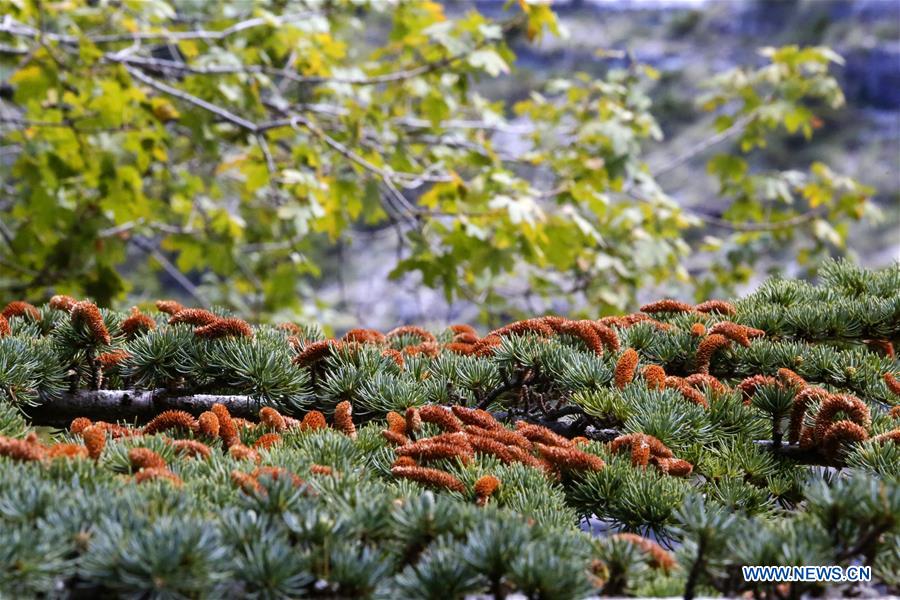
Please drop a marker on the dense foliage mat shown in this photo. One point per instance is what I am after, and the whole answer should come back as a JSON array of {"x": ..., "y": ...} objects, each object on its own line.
[{"x": 648, "y": 454}]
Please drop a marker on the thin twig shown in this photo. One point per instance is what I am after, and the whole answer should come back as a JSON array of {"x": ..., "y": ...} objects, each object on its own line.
[
  {"x": 6, "y": 235},
  {"x": 170, "y": 268},
  {"x": 767, "y": 226},
  {"x": 270, "y": 160},
  {"x": 386, "y": 175},
  {"x": 191, "y": 99},
  {"x": 735, "y": 128},
  {"x": 173, "y": 65},
  {"x": 4, "y": 49},
  {"x": 21, "y": 30},
  {"x": 130, "y": 225},
  {"x": 8, "y": 25},
  {"x": 18, "y": 268},
  {"x": 746, "y": 226},
  {"x": 26, "y": 123}
]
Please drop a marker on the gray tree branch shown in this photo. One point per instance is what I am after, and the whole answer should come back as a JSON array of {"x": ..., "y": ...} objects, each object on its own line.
[{"x": 131, "y": 406}]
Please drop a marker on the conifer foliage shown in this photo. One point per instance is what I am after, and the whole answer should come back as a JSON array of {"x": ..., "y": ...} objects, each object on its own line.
[{"x": 647, "y": 454}]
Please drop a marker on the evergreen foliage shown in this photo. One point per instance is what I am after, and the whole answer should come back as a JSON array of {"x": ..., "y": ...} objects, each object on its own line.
[{"x": 530, "y": 459}]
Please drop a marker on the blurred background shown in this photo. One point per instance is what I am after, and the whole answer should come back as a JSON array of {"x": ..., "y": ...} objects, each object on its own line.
[
  {"x": 350, "y": 277},
  {"x": 689, "y": 41}
]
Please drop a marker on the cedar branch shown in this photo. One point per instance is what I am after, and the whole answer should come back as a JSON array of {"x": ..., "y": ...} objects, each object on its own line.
[{"x": 129, "y": 405}]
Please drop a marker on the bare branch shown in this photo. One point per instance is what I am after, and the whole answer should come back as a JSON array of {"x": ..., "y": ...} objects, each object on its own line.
[
  {"x": 127, "y": 405},
  {"x": 169, "y": 268},
  {"x": 10, "y": 50},
  {"x": 765, "y": 226},
  {"x": 119, "y": 229},
  {"x": 267, "y": 153},
  {"x": 171, "y": 65},
  {"x": 392, "y": 77},
  {"x": 9, "y": 25},
  {"x": 6, "y": 234},
  {"x": 68, "y": 124},
  {"x": 17, "y": 268},
  {"x": 413, "y": 180},
  {"x": 738, "y": 126},
  {"x": 292, "y": 121},
  {"x": 130, "y": 225},
  {"x": 417, "y": 123},
  {"x": 747, "y": 226},
  {"x": 21, "y": 30},
  {"x": 190, "y": 98}
]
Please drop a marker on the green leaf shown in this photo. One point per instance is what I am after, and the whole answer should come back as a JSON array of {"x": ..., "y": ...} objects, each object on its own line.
[{"x": 727, "y": 167}]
